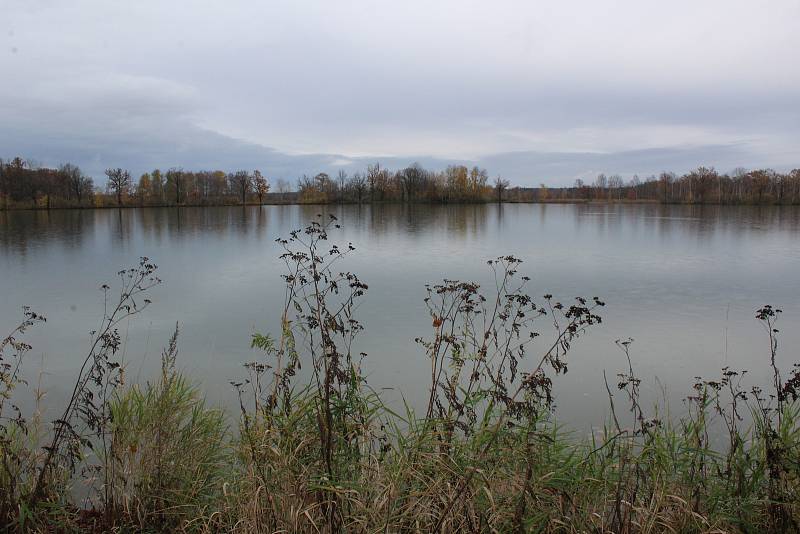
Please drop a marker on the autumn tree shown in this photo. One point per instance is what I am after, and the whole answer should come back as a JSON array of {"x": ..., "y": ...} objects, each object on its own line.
[
  {"x": 457, "y": 181},
  {"x": 325, "y": 185},
  {"x": 761, "y": 180},
  {"x": 543, "y": 193},
  {"x": 261, "y": 185},
  {"x": 144, "y": 188},
  {"x": 306, "y": 188},
  {"x": 157, "y": 185},
  {"x": 701, "y": 182},
  {"x": 174, "y": 184},
  {"x": 477, "y": 182}
]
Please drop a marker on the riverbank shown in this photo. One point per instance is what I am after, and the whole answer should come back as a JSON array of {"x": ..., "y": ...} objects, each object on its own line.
[{"x": 427, "y": 203}]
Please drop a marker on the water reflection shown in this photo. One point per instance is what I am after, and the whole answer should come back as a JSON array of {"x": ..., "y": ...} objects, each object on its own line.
[{"x": 22, "y": 230}]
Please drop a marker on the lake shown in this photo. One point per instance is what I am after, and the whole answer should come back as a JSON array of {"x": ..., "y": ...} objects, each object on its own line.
[{"x": 683, "y": 281}]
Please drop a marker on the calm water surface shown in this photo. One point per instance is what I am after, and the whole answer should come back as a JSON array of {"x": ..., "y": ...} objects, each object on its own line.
[{"x": 683, "y": 281}]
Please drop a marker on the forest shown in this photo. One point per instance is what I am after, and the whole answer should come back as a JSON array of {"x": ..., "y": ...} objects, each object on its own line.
[{"x": 25, "y": 185}]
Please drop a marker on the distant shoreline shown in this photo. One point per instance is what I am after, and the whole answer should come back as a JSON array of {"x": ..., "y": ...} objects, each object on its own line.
[
  {"x": 384, "y": 203},
  {"x": 26, "y": 186}
]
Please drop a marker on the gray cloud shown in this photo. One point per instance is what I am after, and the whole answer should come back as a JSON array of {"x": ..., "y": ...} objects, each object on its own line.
[{"x": 534, "y": 91}]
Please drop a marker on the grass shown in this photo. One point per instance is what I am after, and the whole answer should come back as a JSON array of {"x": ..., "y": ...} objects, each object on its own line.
[
  {"x": 168, "y": 451},
  {"x": 326, "y": 454}
]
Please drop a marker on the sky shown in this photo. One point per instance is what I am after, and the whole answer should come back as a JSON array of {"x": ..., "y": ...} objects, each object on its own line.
[{"x": 538, "y": 92}]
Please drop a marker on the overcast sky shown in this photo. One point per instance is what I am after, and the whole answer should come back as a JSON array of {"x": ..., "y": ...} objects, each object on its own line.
[{"x": 536, "y": 91}]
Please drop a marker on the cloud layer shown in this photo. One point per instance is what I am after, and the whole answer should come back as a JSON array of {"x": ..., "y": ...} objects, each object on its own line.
[{"x": 535, "y": 91}]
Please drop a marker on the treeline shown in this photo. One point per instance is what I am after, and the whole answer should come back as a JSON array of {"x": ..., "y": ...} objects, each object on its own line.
[
  {"x": 24, "y": 185},
  {"x": 457, "y": 183},
  {"x": 700, "y": 186}
]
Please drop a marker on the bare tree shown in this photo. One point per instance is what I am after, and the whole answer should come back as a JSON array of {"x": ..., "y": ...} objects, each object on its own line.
[
  {"x": 372, "y": 179},
  {"x": 359, "y": 186},
  {"x": 411, "y": 179},
  {"x": 666, "y": 179},
  {"x": 615, "y": 184},
  {"x": 119, "y": 181},
  {"x": 500, "y": 185},
  {"x": 634, "y": 186},
  {"x": 579, "y": 188},
  {"x": 600, "y": 184},
  {"x": 77, "y": 184},
  {"x": 341, "y": 179},
  {"x": 241, "y": 182},
  {"x": 283, "y": 187},
  {"x": 305, "y": 186}
]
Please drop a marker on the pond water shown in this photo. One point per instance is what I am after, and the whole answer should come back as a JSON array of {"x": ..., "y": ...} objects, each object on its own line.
[{"x": 683, "y": 281}]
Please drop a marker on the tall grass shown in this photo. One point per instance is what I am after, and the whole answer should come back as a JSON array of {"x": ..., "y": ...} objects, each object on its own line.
[
  {"x": 326, "y": 454},
  {"x": 168, "y": 453}
]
